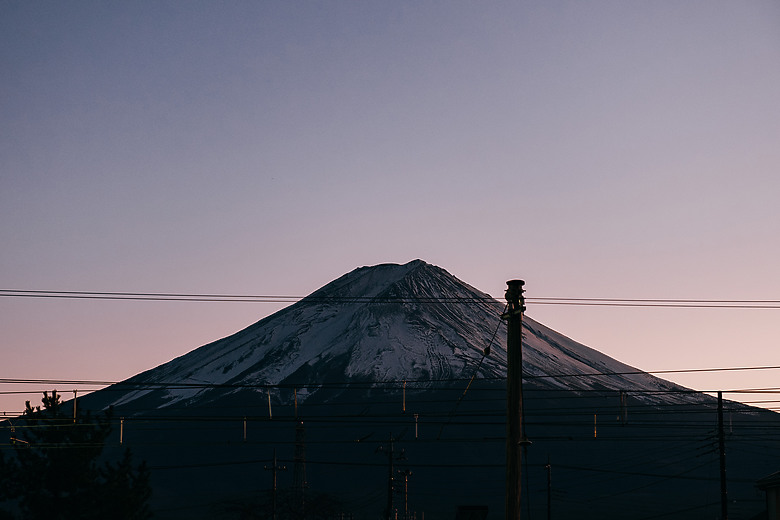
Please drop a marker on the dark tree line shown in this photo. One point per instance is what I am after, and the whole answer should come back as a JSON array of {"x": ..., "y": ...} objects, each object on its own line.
[{"x": 54, "y": 470}]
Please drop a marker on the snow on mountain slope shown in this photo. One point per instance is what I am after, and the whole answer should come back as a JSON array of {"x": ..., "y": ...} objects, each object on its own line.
[{"x": 384, "y": 323}]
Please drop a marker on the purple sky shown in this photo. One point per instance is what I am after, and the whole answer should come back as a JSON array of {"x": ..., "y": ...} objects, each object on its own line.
[{"x": 594, "y": 149}]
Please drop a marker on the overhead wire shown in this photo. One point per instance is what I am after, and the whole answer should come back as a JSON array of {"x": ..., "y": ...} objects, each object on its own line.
[
  {"x": 241, "y": 298},
  {"x": 324, "y": 298},
  {"x": 659, "y": 302},
  {"x": 644, "y": 419},
  {"x": 485, "y": 353},
  {"x": 315, "y": 297},
  {"x": 397, "y": 383}
]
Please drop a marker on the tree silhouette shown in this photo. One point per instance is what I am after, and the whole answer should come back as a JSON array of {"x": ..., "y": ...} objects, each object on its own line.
[{"x": 57, "y": 472}]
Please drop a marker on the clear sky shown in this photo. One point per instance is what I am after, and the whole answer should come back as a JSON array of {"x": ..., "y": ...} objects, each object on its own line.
[{"x": 612, "y": 149}]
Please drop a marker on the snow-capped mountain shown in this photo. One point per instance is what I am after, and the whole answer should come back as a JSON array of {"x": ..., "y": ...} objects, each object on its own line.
[
  {"x": 378, "y": 360},
  {"x": 386, "y": 323}
]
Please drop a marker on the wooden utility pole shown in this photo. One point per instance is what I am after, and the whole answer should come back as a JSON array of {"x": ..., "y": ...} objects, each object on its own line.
[
  {"x": 514, "y": 411},
  {"x": 724, "y": 502},
  {"x": 406, "y": 474}
]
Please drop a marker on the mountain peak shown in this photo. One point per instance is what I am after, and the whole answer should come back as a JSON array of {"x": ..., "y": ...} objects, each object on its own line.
[
  {"x": 376, "y": 324},
  {"x": 413, "y": 281},
  {"x": 368, "y": 281}
]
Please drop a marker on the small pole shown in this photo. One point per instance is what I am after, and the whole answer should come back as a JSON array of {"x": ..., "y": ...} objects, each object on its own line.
[
  {"x": 406, "y": 474},
  {"x": 244, "y": 429},
  {"x": 121, "y": 429},
  {"x": 389, "y": 508},
  {"x": 274, "y": 485},
  {"x": 623, "y": 407},
  {"x": 404, "y": 403},
  {"x": 270, "y": 415},
  {"x": 595, "y": 420},
  {"x": 724, "y": 503},
  {"x": 416, "y": 416},
  {"x": 274, "y": 468},
  {"x": 549, "y": 489},
  {"x": 295, "y": 394},
  {"x": 75, "y": 394},
  {"x": 390, "y": 481}
]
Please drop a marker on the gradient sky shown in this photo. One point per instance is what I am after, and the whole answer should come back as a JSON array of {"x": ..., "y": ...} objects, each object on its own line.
[{"x": 595, "y": 149}]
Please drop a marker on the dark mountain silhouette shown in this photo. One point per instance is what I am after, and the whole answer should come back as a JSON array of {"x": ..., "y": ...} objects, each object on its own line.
[{"x": 378, "y": 362}]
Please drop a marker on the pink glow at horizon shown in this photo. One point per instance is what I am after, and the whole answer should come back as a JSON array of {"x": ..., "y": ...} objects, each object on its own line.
[{"x": 599, "y": 149}]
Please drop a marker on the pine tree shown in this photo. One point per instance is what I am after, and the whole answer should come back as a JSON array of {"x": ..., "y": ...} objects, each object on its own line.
[{"x": 57, "y": 472}]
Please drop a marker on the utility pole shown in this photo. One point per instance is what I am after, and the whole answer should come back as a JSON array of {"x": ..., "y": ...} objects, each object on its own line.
[
  {"x": 724, "y": 503},
  {"x": 390, "y": 480},
  {"x": 549, "y": 489},
  {"x": 514, "y": 411},
  {"x": 623, "y": 407},
  {"x": 406, "y": 474},
  {"x": 299, "y": 470},
  {"x": 273, "y": 469},
  {"x": 391, "y": 488}
]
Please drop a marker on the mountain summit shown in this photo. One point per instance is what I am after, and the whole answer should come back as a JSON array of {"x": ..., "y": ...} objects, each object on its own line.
[{"x": 381, "y": 324}]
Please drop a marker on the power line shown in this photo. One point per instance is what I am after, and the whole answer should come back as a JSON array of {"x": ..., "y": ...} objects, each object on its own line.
[
  {"x": 245, "y": 298},
  {"x": 322, "y": 298},
  {"x": 388, "y": 384},
  {"x": 660, "y": 302}
]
